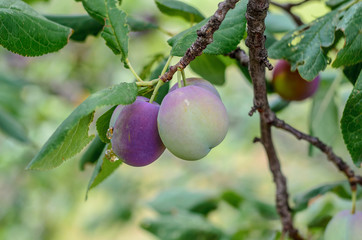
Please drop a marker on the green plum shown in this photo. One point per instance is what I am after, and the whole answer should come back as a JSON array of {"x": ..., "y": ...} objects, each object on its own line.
[
  {"x": 344, "y": 226},
  {"x": 197, "y": 82},
  {"x": 191, "y": 121}
]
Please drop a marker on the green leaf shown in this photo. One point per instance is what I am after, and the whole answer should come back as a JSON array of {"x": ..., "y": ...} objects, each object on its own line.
[
  {"x": 182, "y": 226},
  {"x": 10, "y": 93},
  {"x": 279, "y": 23},
  {"x": 92, "y": 154},
  {"x": 342, "y": 189},
  {"x": 351, "y": 26},
  {"x": 177, "y": 8},
  {"x": 352, "y": 72},
  {"x": 102, "y": 170},
  {"x": 137, "y": 25},
  {"x": 303, "y": 48},
  {"x": 335, "y": 3},
  {"x": 146, "y": 70},
  {"x": 351, "y": 123},
  {"x": 11, "y": 127},
  {"x": 83, "y": 25},
  {"x": 210, "y": 67},
  {"x": 26, "y": 32},
  {"x": 324, "y": 116},
  {"x": 232, "y": 198},
  {"x": 96, "y": 9},
  {"x": 173, "y": 200},
  {"x": 226, "y": 38},
  {"x": 278, "y": 104},
  {"x": 116, "y": 29},
  {"x": 103, "y": 125},
  {"x": 72, "y": 135}
]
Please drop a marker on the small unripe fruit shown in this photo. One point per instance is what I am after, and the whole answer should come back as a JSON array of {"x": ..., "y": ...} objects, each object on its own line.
[
  {"x": 135, "y": 136},
  {"x": 191, "y": 121},
  {"x": 290, "y": 85},
  {"x": 197, "y": 82},
  {"x": 345, "y": 226}
]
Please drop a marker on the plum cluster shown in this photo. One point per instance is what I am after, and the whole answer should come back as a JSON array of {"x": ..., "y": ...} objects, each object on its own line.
[{"x": 190, "y": 121}]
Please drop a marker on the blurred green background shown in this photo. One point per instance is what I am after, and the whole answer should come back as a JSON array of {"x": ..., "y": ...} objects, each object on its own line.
[{"x": 41, "y": 92}]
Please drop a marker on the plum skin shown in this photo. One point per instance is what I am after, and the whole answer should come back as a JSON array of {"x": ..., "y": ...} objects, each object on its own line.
[
  {"x": 197, "y": 82},
  {"x": 135, "y": 137},
  {"x": 344, "y": 225},
  {"x": 191, "y": 121},
  {"x": 290, "y": 85}
]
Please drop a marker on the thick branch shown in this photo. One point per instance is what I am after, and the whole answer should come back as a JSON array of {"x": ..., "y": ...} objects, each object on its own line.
[
  {"x": 287, "y": 7},
  {"x": 204, "y": 38},
  {"x": 336, "y": 160},
  {"x": 255, "y": 15}
]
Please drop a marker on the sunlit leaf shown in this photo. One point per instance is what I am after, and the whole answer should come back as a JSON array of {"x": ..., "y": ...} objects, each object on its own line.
[
  {"x": 26, "y": 32},
  {"x": 72, "y": 135},
  {"x": 303, "y": 47},
  {"x": 352, "y": 28}
]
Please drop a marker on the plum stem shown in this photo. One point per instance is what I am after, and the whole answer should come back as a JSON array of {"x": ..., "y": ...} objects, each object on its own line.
[
  {"x": 159, "y": 81},
  {"x": 165, "y": 32},
  {"x": 183, "y": 77},
  {"x": 179, "y": 79},
  {"x": 133, "y": 71},
  {"x": 147, "y": 83},
  {"x": 354, "y": 199},
  {"x": 158, "y": 85}
]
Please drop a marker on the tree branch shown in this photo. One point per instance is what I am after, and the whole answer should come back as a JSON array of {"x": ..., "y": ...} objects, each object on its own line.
[
  {"x": 336, "y": 160},
  {"x": 240, "y": 56},
  {"x": 204, "y": 38},
  {"x": 255, "y": 16},
  {"x": 287, "y": 7}
]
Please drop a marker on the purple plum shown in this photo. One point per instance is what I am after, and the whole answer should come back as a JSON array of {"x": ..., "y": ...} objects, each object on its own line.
[
  {"x": 191, "y": 121},
  {"x": 290, "y": 85},
  {"x": 135, "y": 137}
]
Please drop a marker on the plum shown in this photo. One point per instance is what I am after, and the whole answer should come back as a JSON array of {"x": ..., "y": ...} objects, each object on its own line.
[
  {"x": 135, "y": 137},
  {"x": 198, "y": 82},
  {"x": 344, "y": 226},
  {"x": 290, "y": 85},
  {"x": 191, "y": 121}
]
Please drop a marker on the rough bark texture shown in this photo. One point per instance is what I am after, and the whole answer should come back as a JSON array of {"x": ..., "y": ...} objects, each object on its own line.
[{"x": 255, "y": 15}]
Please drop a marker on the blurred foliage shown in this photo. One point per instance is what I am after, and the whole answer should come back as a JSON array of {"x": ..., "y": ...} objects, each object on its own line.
[{"x": 227, "y": 195}]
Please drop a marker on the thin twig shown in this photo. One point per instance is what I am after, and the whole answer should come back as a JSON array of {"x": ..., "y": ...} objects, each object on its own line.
[
  {"x": 336, "y": 160},
  {"x": 287, "y": 7},
  {"x": 255, "y": 16},
  {"x": 240, "y": 56},
  {"x": 204, "y": 38}
]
